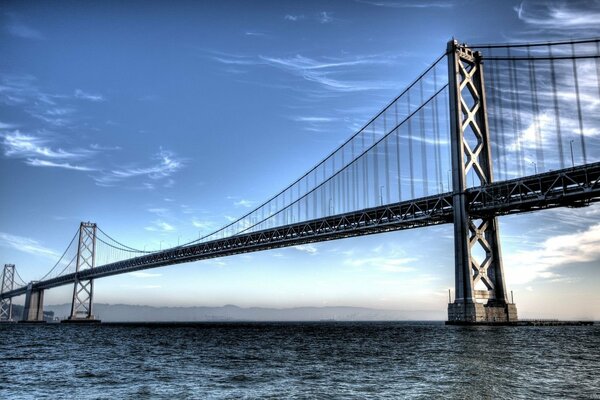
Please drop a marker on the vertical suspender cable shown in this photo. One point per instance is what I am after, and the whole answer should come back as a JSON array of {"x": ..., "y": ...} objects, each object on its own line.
[{"x": 579, "y": 116}]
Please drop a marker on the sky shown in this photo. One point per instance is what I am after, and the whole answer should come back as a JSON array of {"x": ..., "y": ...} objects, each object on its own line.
[{"x": 163, "y": 122}]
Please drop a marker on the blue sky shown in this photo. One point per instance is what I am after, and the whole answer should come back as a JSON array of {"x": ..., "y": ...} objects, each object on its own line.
[{"x": 161, "y": 123}]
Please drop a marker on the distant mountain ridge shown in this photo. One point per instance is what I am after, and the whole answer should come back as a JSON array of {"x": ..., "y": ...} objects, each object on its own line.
[{"x": 138, "y": 313}]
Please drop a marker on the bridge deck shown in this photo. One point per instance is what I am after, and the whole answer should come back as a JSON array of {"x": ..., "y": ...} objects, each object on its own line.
[{"x": 573, "y": 187}]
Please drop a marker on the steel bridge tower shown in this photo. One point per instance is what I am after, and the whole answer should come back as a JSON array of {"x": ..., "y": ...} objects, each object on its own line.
[
  {"x": 83, "y": 289},
  {"x": 8, "y": 282},
  {"x": 480, "y": 290}
]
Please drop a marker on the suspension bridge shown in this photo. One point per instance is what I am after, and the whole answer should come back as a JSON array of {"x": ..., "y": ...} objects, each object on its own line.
[{"x": 485, "y": 131}]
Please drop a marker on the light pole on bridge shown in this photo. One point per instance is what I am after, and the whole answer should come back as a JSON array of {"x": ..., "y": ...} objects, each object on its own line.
[{"x": 572, "y": 158}]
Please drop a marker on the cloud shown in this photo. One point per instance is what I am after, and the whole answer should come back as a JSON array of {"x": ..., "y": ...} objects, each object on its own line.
[
  {"x": 204, "y": 225},
  {"x": 407, "y": 4},
  {"x": 161, "y": 212},
  {"x": 561, "y": 17},
  {"x": 307, "y": 248},
  {"x": 293, "y": 18},
  {"x": 96, "y": 146},
  {"x": 26, "y": 245},
  {"x": 383, "y": 258},
  {"x": 561, "y": 250},
  {"x": 325, "y": 17},
  {"x": 331, "y": 73},
  {"x": 160, "y": 226},
  {"x": 143, "y": 274},
  {"x": 254, "y": 33},
  {"x": 387, "y": 264},
  {"x": 34, "y": 162},
  {"x": 243, "y": 203},
  {"x": 315, "y": 119},
  {"x": 323, "y": 72},
  {"x": 6, "y": 126},
  {"x": 166, "y": 166},
  {"x": 17, "y": 144},
  {"x": 80, "y": 94},
  {"x": 137, "y": 287},
  {"x": 20, "y": 30}
]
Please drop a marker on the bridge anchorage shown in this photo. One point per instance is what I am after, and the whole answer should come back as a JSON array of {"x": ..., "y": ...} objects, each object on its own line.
[{"x": 367, "y": 185}]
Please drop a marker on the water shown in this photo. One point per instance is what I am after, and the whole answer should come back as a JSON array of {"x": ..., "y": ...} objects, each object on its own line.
[{"x": 323, "y": 360}]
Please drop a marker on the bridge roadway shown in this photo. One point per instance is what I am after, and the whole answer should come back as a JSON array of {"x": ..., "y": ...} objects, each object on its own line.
[{"x": 571, "y": 187}]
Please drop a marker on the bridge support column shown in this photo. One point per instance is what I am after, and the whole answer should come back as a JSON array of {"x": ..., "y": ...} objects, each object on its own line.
[
  {"x": 480, "y": 290},
  {"x": 83, "y": 289},
  {"x": 8, "y": 281},
  {"x": 34, "y": 305}
]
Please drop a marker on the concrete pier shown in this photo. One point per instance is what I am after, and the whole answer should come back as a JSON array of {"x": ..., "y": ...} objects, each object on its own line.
[{"x": 33, "y": 312}]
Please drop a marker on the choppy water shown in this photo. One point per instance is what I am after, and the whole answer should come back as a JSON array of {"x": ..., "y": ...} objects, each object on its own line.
[{"x": 299, "y": 360}]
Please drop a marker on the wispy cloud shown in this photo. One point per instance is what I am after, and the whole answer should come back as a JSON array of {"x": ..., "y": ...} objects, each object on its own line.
[
  {"x": 240, "y": 202},
  {"x": 203, "y": 225},
  {"x": 325, "y": 17},
  {"x": 34, "y": 162},
  {"x": 390, "y": 263},
  {"x": 17, "y": 144},
  {"x": 329, "y": 73},
  {"x": 383, "y": 258},
  {"x": 556, "y": 251},
  {"x": 307, "y": 248},
  {"x": 336, "y": 74},
  {"x": 293, "y": 18},
  {"x": 6, "y": 126},
  {"x": 254, "y": 33},
  {"x": 408, "y": 4},
  {"x": 143, "y": 274},
  {"x": 18, "y": 29},
  {"x": 96, "y": 146},
  {"x": 26, "y": 245},
  {"x": 167, "y": 164},
  {"x": 160, "y": 226},
  {"x": 37, "y": 153},
  {"x": 315, "y": 119},
  {"x": 80, "y": 94},
  {"x": 561, "y": 17},
  {"x": 161, "y": 212}
]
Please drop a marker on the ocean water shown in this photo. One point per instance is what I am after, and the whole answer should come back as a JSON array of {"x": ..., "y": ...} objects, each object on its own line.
[{"x": 321, "y": 360}]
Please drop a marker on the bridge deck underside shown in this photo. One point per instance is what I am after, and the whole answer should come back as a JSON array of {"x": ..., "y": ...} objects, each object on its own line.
[{"x": 573, "y": 187}]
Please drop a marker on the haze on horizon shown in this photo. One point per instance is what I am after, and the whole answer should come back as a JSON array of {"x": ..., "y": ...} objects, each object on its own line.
[{"x": 163, "y": 123}]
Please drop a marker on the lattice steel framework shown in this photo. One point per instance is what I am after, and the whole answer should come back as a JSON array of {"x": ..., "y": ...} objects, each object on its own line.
[
  {"x": 8, "y": 282},
  {"x": 479, "y": 276},
  {"x": 83, "y": 290}
]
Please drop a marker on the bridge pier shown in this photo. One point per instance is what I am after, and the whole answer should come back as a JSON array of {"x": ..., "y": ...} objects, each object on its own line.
[
  {"x": 8, "y": 280},
  {"x": 83, "y": 289},
  {"x": 479, "y": 276},
  {"x": 33, "y": 312}
]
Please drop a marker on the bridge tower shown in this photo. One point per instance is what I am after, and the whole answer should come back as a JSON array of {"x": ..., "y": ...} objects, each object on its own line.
[
  {"x": 83, "y": 289},
  {"x": 480, "y": 290},
  {"x": 8, "y": 282}
]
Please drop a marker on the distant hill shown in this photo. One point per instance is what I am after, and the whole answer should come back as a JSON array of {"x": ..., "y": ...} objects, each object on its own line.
[{"x": 135, "y": 313}]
